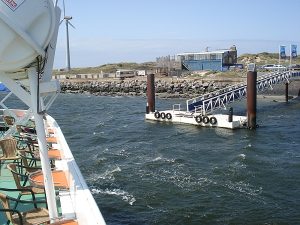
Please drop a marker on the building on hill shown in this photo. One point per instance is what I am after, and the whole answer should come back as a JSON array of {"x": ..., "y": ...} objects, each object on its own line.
[
  {"x": 125, "y": 73},
  {"x": 209, "y": 60}
]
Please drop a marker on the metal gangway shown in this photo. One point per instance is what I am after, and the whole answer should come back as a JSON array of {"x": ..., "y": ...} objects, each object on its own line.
[{"x": 209, "y": 102}]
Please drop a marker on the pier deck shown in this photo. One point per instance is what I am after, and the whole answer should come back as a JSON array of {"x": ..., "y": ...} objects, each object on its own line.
[{"x": 213, "y": 120}]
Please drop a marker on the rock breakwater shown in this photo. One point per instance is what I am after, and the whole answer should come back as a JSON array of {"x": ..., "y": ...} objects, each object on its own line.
[{"x": 164, "y": 89}]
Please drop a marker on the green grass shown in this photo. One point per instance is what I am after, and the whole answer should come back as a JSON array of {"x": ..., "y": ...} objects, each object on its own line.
[{"x": 109, "y": 68}]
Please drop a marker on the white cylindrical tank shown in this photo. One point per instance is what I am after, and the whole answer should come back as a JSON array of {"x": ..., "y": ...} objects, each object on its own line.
[{"x": 26, "y": 27}]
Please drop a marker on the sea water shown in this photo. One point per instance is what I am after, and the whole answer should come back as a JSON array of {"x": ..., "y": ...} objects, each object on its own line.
[{"x": 144, "y": 172}]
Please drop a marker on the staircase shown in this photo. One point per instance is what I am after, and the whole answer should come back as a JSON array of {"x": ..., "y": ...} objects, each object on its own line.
[
  {"x": 185, "y": 66},
  {"x": 209, "y": 102}
]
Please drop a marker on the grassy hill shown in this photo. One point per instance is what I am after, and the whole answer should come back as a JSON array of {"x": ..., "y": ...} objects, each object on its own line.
[
  {"x": 259, "y": 58},
  {"x": 265, "y": 58},
  {"x": 109, "y": 68}
]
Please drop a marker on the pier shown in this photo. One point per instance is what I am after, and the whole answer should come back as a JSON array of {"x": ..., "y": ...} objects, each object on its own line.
[{"x": 200, "y": 110}]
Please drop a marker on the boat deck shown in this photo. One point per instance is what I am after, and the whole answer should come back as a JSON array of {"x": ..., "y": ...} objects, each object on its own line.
[
  {"x": 7, "y": 181},
  {"x": 73, "y": 197}
]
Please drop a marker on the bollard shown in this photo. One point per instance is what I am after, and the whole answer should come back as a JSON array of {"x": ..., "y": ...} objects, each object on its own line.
[
  {"x": 286, "y": 92},
  {"x": 230, "y": 114},
  {"x": 150, "y": 94},
  {"x": 251, "y": 95}
]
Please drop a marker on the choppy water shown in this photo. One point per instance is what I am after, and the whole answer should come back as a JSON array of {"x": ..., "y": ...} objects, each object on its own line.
[{"x": 155, "y": 173}]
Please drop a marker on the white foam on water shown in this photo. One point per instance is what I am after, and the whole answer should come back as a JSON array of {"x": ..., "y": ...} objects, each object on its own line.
[
  {"x": 248, "y": 146},
  {"x": 242, "y": 156},
  {"x": 245, "y": 189},
  {"x": 159, "y": 158},
  {"x": 117, "y": 192},
  {"x": 107, "y": 175}
]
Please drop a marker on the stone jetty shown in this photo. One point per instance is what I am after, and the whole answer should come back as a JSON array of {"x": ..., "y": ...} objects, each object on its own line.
[
  {"x": 165, "y": 87},
  {"x": 134, "y": 87}
]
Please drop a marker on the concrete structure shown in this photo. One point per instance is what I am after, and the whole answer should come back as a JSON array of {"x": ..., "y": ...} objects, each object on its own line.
[
  {"x": 213, "y": 120},
  {"x": 210, "y": 60}
]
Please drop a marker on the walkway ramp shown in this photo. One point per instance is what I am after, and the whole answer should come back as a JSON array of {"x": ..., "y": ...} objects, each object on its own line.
[{"x": 219, "y": 99}]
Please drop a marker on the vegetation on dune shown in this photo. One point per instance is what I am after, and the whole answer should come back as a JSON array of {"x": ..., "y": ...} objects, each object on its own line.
[
  {"x": 109, "y": 68},
  {"x": 259, "y": 58},
  {"x": 265, "y": 58}
]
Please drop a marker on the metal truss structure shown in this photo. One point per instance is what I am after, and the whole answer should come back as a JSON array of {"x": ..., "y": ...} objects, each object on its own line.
[{"x": 209, "y": 102}]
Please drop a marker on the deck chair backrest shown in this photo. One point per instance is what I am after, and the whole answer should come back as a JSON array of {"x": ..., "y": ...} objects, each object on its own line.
[
  {"x": 29, "y": 162},
  {"x": 9, "y": 147},
  {"x": 5, "y": 205},
  {"x": 17, "y": 177},
  {"x": 24, "y": 158}
]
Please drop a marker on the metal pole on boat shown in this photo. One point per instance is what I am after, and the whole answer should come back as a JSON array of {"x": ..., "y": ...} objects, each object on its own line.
[
  {"x": 41, "y": 136},
  {"x": 286, "y": 92},
  {"x": 251, "y": 95},
  {"x": 150, "y": 93}
]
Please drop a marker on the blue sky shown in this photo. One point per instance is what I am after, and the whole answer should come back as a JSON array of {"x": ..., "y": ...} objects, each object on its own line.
[{"x": 140, "y": 30}]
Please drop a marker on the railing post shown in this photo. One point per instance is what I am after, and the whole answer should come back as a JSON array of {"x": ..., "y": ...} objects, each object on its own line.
[{"x": 251, "y": 95}]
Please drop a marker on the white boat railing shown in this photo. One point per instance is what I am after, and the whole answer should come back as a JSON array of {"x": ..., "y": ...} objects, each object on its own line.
[{"x": 82, "y": 204}]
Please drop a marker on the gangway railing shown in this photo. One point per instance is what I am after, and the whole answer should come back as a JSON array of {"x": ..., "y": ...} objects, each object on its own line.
[{"x": 219, "y": 99}]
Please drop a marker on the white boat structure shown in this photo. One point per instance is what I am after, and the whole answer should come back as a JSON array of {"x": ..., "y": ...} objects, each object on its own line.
[{"x": 27, "y": 47}]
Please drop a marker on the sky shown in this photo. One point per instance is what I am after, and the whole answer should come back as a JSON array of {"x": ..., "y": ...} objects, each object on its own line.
[{"x": 140, "y": 30}]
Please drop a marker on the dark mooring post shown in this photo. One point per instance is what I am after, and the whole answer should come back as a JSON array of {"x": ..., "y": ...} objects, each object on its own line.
[
  {"x": 251, "y": 95},
  {"x": 230, "y": 114},
  {"x": 150, "y": 94},
  {"x": 286, "y": 92}
]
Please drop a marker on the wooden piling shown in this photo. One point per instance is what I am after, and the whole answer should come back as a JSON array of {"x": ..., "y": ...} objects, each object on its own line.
[
  {"x": 251, "y": 98},
  {"x": 150, "y": 93},
  {"x": 286, "y": 92}
]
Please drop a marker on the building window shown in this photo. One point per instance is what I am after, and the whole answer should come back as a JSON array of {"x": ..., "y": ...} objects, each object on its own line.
[{"x": 190, "y": 57}]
